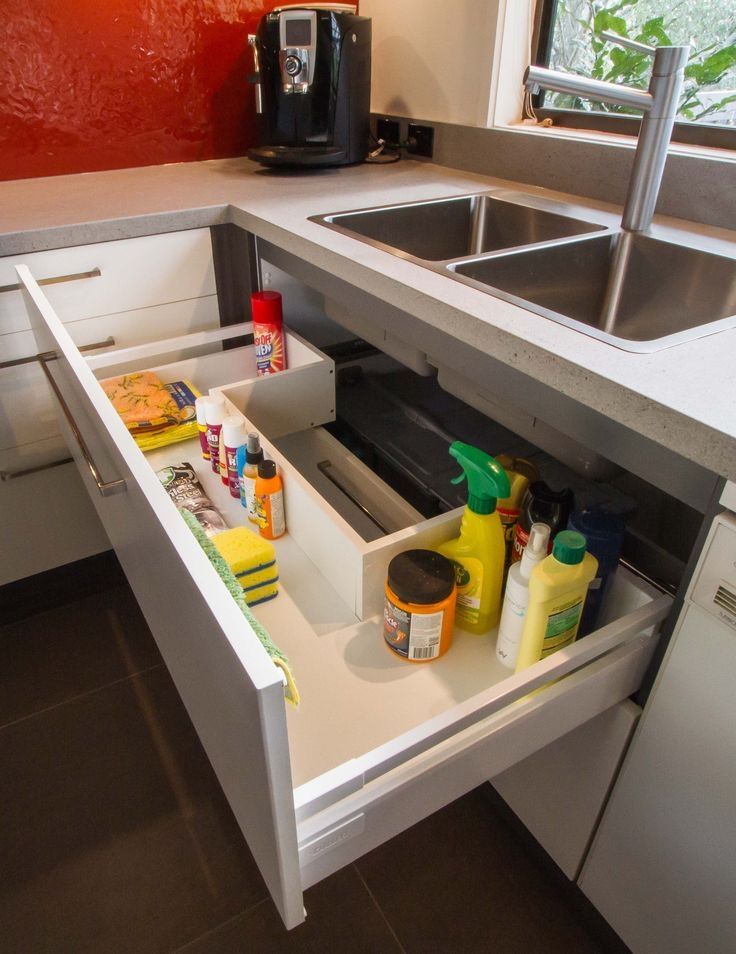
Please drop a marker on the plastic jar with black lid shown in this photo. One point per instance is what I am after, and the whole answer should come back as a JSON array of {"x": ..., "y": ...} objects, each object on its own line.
[{"x": 419, "y": 611}]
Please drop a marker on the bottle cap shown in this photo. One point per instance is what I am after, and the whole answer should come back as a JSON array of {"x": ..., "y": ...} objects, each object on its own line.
[
  {"x": 598, "y": 526},
  {"x": 254, "y": 451},
  {"x": 265, "y": 308},
  {"x": 215, "y": 409},
  {"x": 267, "y": 469},
  {"x": 201, "y": 406},
  {"x": 569, "y": 547},
  {"x": 233, "y": 431},
  {"x": 536, "y": 548},
  {"x": 548, "y": 502},
  {"x": 421, "y": 576}
]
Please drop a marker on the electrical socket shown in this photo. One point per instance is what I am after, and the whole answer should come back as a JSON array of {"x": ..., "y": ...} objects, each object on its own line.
[
  {"x": 388, "y": 130},
  {"x": 421, "y": 140}
]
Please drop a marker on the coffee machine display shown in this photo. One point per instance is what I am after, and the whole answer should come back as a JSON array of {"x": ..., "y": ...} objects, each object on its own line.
[{"x": 312, "y": 83}]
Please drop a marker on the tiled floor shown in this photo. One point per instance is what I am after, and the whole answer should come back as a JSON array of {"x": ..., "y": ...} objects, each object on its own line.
[{"x": 115, "y": 836}]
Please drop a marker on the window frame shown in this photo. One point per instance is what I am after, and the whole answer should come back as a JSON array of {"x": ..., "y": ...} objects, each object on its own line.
[{"x": 689, "y": 133}]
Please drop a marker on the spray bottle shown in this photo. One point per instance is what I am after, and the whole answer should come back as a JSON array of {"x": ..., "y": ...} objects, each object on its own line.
[
  {"x": 516, "y": 596},
  {"x": 479, "y": 552}
]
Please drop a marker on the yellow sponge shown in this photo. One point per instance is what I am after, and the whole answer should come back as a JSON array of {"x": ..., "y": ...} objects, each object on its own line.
[
  {"x": 259, "y": 594},
  {"x": 253, "y": 561}
]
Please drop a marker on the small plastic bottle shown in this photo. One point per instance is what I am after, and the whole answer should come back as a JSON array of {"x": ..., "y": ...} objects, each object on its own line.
[
  {"x": 233, "y": 431},
  {"x": 270, "y": 501},
  {"x": 541, "y": 504},
  {"x": 201, "y": 406},
  {"x": 248, "y": 471},
  {"x": 516, "y": 597},
  {"x": 604, "y": 535},
  {"x": 215, "y": 415},
  {"x": 222, "y": 465}
]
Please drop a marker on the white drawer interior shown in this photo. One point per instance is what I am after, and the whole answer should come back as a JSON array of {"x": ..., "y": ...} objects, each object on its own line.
[{"x": 356, "y": 695}]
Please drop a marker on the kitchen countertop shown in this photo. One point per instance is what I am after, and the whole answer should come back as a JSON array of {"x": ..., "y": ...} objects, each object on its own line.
[{"x": 682, "y": 397}]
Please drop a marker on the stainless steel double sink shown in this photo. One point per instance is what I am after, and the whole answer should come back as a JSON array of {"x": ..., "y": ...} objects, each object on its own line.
[{"x": 632, "y": 290}]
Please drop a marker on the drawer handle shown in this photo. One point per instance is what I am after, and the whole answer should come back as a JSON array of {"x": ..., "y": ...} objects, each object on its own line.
[
  {"x": 14, "y": 474},
  {"x": 325, "y": 468},
  {"x": 105, "y": 487},
  {"x": 55, "y": 280},
  {"x": 93, "y": 346}
]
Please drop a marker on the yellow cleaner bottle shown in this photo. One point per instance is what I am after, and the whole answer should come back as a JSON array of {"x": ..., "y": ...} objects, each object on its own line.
[
  {"x": 557, "y": 590},
  {"x": 479, "y": 552}
]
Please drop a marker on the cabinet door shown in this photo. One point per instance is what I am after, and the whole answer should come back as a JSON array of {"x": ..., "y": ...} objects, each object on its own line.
[{"x": 232, "y": 690}]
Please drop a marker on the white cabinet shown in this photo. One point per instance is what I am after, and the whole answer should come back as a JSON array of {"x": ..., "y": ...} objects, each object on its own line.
[
  {"x": 661, "y": 869},
  {"x": 376, "y": 743},
  {"x": 117, "y": 294}
]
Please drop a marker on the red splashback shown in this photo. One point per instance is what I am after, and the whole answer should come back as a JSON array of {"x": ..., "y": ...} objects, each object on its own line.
[{"x": 103, "y": 84}]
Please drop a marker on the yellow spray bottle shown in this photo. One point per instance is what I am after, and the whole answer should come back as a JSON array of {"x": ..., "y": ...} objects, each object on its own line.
[{"x": 479, "y": 552}]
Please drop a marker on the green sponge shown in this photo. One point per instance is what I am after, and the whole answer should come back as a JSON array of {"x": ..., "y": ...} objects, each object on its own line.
[{"x": 236, "y": 591}]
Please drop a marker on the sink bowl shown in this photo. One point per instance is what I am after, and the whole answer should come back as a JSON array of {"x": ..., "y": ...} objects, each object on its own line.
[
  {"x": 444, "y": 229},
  {"x": 636, "y": 292}
]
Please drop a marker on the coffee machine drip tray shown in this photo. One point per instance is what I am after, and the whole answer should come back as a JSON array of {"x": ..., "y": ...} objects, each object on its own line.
[{"x": 298, "y": 155}]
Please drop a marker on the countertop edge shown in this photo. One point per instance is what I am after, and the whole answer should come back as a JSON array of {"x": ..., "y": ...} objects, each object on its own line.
[{"x": 659, "y": 422}]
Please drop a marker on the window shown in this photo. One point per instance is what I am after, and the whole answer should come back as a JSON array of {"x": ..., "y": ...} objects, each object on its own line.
[{"x": 568, "y": 38}]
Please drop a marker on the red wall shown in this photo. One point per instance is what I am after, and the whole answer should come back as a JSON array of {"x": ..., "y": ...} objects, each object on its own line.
[{"x": 102, "y": 84}]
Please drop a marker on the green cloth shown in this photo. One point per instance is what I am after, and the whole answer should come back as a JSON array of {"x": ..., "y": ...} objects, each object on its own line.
[{"x": 236, "y": 591}]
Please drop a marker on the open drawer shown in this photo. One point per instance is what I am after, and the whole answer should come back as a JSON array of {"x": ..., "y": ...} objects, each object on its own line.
[{"x": 377, "y": 743}]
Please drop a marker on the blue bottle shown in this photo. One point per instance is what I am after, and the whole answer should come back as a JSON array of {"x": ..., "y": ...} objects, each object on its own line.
[{"x": 604, "y": 536}]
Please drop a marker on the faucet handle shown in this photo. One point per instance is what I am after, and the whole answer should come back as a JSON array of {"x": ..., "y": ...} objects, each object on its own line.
[{"x": 627, "y": 43}]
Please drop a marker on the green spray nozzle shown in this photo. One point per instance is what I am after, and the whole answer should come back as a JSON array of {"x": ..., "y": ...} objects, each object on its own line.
[{"x": 487, "y": 480}]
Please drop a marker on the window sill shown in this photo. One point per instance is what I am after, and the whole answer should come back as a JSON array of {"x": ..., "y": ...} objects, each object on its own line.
[{"x": 614, "y": 140}]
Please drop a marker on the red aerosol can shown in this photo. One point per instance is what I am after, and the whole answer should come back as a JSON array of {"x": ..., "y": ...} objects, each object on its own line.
[{"x": 268, "y": 332}]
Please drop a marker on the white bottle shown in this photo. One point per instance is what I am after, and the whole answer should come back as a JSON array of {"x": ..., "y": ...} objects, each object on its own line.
[
  {"x": 233, "y": 437},
  {"x": 516, "y": 597}
]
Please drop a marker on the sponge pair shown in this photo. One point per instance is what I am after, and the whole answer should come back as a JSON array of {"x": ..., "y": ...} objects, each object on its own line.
[{"x": 252, "y": 559}]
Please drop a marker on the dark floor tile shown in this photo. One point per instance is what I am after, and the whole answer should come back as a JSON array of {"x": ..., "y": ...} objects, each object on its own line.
[
  {"x": 341, "y": 916},
  {"x": 55, "y": 655},
  {"x": 115, "y": 835},
  {"x": 459, "y": 881},
  {"x": 56, "y": 587}
]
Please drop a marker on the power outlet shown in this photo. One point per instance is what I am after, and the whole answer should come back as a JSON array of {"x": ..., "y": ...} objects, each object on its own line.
[
  {"x": 388, "y": 130},
  {"x": 420, "y": 140}
]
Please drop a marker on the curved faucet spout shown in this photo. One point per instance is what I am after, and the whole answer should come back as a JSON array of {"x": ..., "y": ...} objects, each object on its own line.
[{"x": 659, "y": 105}]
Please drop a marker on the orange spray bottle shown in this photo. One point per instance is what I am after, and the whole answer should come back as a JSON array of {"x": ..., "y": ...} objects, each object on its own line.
[{"x": 269, "y": 494}]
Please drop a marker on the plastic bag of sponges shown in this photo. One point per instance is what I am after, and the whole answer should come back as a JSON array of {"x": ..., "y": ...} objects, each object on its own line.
[{"x": 155, "y": 413}]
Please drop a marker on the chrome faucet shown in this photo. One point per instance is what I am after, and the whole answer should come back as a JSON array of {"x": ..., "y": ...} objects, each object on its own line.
[{"x": 659, "y": 105}]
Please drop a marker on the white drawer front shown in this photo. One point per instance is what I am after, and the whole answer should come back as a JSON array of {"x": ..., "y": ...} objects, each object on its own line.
[
  {"x": 134, "y": 273},
  {"x": 27, "y": 414},
  {"x": 232, "y": 691},
  {"x": 372, "y": 732},
  {"x": 48, "y": 521}
]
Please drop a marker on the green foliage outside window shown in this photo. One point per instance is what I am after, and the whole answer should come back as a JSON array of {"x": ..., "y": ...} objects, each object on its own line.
[{"x": 709, "y": 26}]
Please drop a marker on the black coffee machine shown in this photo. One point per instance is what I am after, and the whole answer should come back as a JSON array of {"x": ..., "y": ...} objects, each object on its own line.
[{"x": 312, "y": 81}]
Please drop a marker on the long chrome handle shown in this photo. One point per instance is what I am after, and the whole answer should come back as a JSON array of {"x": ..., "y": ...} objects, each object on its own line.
[
  {"x": 93, "y": 346},
  {"x": 105, "y": 487},
  {"x": 55, "y": 280},
  {"x": 13, "y": 474},
  {"x": 325, "y": 467}
]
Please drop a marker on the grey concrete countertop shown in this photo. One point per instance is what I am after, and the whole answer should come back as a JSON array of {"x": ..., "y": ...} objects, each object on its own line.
[{"x": 683, "y": 397}]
